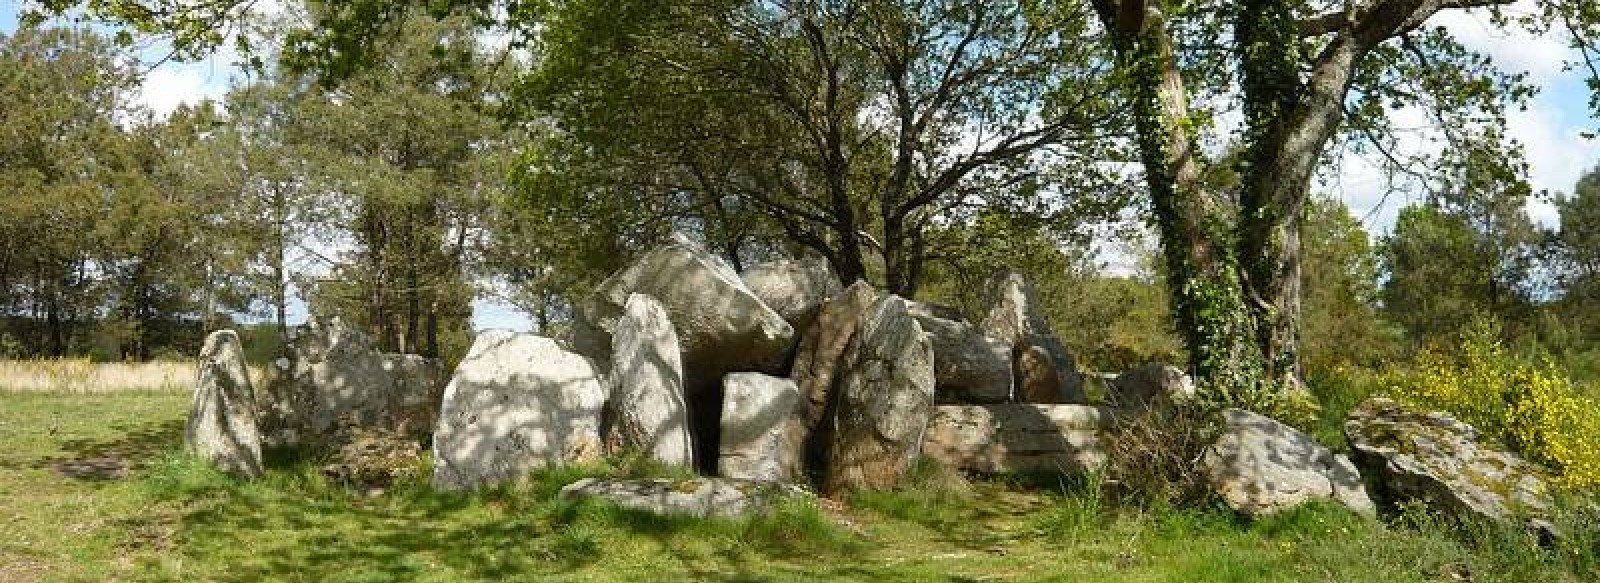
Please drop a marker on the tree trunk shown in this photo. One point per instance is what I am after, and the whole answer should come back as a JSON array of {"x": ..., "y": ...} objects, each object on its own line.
[{"x": 1195, "y": 230}]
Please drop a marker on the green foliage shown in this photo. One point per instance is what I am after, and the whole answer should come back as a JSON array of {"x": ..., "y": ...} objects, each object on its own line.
[
  {"x": 1340, "y": 324},
  {"x": 1528, "y": 404}
]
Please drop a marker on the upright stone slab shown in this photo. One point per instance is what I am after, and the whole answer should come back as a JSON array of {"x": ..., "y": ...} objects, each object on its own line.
[
  {"x": 794, "y": 288},
  {"x": 517, "y": 402},
  {"x": 1016, "y": 437},
  {"x": 762, "y": 437},
  {"x": 884, "y": 402},
  {"x": 1438, "y": 460},
  {"x": 1014, "y": 318},
  {"x": 721, "y": 326},
  {"x": 336, "y": 380},
  {"x": 1260, "y": 466},
  {"x": 820, "y": 356},
  {"x": 647, "y": 385},
  {"x": 967, "y": 366},
  {"x": 222, "y": 413}
]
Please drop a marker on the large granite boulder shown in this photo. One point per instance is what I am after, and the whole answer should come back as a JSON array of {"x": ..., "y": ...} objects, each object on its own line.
[
  {"x": 1436, "y": 459},
  {"x": 1152, "y": 385},
  {"x": 696, "y": 497},
  {"x": 517, "y": 402},
  {"x": 762, "y": 436},
  {"x": 794, "y": 288},
  {"x": 335, "y": 379},
  {"x": 1038, "y": 379},
  {"x": 967, "y": 366},
  {"x": 722, "y": 327},
  {"x": 1260, "y": 466},
  {"x": 222, "y": 412},
  {"x": 885, "y": 398},
  {"x": 1014, "y": 318},
  {"x": 1018, "y": 438},
  {"x": 821, "y": 353},
  {"x": 647, "y": 406}
]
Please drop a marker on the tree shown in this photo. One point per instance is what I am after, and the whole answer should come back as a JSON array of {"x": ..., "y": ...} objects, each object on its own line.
[
  {"x": 1340, "y": 278},
  {"x": 1303, "y": 72},
  {"x": 61, "y": 91}
]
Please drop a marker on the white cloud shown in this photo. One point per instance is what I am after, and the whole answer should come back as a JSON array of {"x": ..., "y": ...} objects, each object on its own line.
[{"x": 167, "y": 87}]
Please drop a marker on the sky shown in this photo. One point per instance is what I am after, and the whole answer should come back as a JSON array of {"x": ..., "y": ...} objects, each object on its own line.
[{"x": 1549, "y": 128}]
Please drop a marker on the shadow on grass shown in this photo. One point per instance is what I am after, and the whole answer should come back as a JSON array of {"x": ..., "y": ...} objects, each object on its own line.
[{"x": 100, "y": 460}]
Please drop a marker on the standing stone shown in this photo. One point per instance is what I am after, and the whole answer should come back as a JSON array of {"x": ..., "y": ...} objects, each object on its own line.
[
  {"x": 647, "y": 384},
  {"x": 1444, "y": 463},
  {"x": 1154, "y": 384},
  {"x": 721, "y": 326},
  {"x": 222, "y": 413},
  {"x": 968, "y": 367},
  {"x": 762, "y": 437},
  {"x": 794, "y": 288},
  {"x": 336, "y": 380},
  {"x": 1014, "y": 318},
  {"x": 884, "y": 402},
  {"x": 517, "y": 402},
  {"x": 1260, "y": 466},
  {"x": 820, "y": 356},
  {"x": 1016, "y": 437}
]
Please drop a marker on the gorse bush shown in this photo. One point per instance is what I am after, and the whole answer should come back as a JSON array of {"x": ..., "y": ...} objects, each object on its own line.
[{"x": 1528, "y": 404}]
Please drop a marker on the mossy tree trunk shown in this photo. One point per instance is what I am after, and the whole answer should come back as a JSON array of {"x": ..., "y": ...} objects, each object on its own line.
[{"x": 1235, "y": 273}]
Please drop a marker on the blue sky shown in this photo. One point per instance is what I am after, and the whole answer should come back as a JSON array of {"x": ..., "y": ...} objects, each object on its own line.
[{"x": 1549, "y": 129}]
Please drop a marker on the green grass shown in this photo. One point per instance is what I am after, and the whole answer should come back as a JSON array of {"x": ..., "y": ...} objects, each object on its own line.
[{"x": 65, "y": 515}]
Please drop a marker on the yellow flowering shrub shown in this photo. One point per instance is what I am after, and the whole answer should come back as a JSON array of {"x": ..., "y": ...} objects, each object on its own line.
[{"x": 1531, "y": 406}]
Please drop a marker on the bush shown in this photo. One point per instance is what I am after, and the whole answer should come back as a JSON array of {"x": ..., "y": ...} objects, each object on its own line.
[
  {"x": 1153, "y": 457},
  {"x": 1529, "y": 405}
]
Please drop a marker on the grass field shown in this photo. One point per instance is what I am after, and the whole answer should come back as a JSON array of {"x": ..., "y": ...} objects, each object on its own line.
[{"x": 92, "y": 488}]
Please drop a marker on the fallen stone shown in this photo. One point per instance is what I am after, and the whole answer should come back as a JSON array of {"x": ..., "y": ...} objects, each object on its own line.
[
  {"x": 222, "y": 412},
  {"x": 647, "y": 403},
  {"x": 794, "y": 288},
  {"x": 695, "y": 497},
  {"x": 1152, "y": 385},
  {"x": 337, "y": 376},
  {"x": 1447, "y": 464},
  {"x": 885, "y": 400},
  {"x": 1019, "y": 438},
  {"x": 517, "y": 402},
  {"x": 762, "y": 437},
  {"x": 1260, "y": 466},
  {"x": 373, "y": 459},
  {"x": 967, "y": 367}
]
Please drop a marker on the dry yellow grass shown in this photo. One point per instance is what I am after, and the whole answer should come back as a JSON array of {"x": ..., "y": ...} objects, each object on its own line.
[{"x": 83, "y": 376}]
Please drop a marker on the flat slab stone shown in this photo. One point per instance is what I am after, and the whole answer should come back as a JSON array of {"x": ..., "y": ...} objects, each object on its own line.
[
  {"x": 1017, "y": 437},
  {"x": 697, "y": 497}
]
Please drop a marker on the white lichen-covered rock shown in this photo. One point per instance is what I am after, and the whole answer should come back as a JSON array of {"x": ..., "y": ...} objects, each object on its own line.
[
  {"x": 885, "y": 398},
  {"x": 821, "y": 354},
  {"x": 1438, "y": 460},
  {"x": 222, "y": 412},
  {"x": 696, "y": 497},
  {"x": 762, "y": 437},
  {"x": 516, "y": 402},
  {"x": 647, "y": 404},
  {"x": 337, "y": 380},
  {"x": 794, "y": 288},
  {"x": 967, "y": 366},
  {"x": 721, "y": 326},
  {"x": 1260, "y": 466},
  {"x": 1152, "y": 385},
  {"x": 1016, "y": 437},
  {"x": 1014, "y": 318}
]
